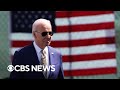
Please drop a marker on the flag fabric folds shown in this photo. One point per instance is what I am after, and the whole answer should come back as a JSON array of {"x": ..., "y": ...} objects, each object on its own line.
[{"x": 86, "y": 39}]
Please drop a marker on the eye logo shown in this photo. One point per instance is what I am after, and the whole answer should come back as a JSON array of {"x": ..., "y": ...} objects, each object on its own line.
[{"x": 10, "y": 68}]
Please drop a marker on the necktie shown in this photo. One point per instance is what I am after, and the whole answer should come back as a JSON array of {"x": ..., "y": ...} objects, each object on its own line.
[{"x": 43, "y": 61}]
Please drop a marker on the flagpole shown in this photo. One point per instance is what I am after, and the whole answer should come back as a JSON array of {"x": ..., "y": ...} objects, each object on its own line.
[{"x": 70, "y": 57}]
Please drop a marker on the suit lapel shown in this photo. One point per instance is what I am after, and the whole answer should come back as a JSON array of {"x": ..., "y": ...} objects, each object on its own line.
[
  {"x": 51, "y": 56},
  {"x": 33, "y": 55},
  {"x": 34, "y": 59},
  {"x": 52, "y": 60}
]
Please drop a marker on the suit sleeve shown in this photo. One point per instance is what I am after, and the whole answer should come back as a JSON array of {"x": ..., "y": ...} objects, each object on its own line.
[{"x": 17, "y": 58}]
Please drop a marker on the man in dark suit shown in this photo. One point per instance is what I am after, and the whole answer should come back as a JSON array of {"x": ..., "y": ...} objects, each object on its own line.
[{"x": 31, "y": 54}]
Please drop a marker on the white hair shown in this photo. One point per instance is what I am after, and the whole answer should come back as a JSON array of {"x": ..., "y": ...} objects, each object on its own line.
[{"x": 40, "y": 22}]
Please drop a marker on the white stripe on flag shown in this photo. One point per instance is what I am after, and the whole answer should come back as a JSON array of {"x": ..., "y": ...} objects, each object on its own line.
[
  {"x": 88, "y": 49},
  {"x": 89, "y": 64},
  {"x": 85, "y": 20},
  {"x": 83, "y": 35},
  {"x": 22, "y": 36}
]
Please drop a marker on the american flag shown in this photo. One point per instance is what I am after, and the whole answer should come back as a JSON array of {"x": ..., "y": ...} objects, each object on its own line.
[{"x": 86, "y": 39}]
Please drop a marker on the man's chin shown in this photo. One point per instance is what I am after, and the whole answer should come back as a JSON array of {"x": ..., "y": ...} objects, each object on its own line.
[{"x": 48, "y": 43}]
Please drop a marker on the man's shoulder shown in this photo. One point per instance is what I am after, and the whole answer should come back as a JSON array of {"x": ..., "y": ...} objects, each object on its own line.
[
  {"x": 54, "y": 49},
  {"x": 25, "y": 48}
]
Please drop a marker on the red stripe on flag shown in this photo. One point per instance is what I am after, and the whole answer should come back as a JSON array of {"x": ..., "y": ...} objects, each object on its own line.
[
  {"x": 72, "y": 43},
  {"x": 20, "y": 43},
  {"x": 85, "y": 42},
  {"x": 89, "y": 13},
  {"x": 62, "y": 14},
  {"x": 89, "y": 57},
  {"x": 97, "y": 71},
  {"x": 85, "y": 27}
]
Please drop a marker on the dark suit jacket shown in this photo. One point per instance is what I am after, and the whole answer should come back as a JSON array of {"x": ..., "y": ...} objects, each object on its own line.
[{"x": 28, "y": 56}]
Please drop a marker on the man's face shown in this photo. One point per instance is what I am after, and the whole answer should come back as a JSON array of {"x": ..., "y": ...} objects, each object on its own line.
[{"x": 42, "y": 37}]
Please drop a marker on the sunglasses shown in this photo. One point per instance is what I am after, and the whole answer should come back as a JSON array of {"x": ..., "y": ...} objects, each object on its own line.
[{"x": 45, "y": 33}]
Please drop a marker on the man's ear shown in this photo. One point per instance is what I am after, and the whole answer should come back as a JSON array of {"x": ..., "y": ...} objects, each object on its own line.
[{"x": 34, "y": 34}]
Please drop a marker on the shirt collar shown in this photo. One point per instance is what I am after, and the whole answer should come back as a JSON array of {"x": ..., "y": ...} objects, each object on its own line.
[{"x": 38, "y": 49}]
